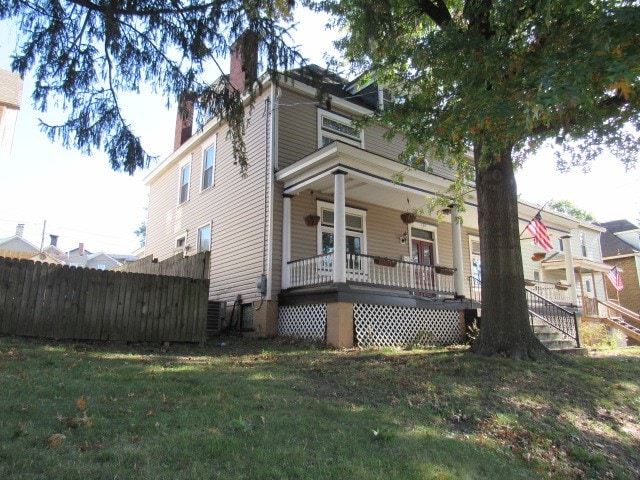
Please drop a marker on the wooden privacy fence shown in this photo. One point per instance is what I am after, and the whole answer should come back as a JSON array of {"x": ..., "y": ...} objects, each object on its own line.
[
  {"x": 57, "y": 301},
  {"x": 193, "y": 266}
]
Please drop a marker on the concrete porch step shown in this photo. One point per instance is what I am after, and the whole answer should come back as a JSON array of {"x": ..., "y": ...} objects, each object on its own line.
[{"x": 552, "y": 338}]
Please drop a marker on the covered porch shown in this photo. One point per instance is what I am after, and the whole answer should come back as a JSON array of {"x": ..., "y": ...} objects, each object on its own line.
[
  {"x": 351, "y": 201},
  {"x": 584, "y": 286},
  {"x": 353, "y": 272}
]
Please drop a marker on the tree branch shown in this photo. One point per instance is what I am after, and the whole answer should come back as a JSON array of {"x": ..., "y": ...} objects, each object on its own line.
[
  {"x": 437, "y": 10},
  {"x": 108, "y": 9}
]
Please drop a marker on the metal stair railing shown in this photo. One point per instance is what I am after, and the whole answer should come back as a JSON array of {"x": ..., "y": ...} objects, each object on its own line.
[
  {"x": 539, "y": 307},
  {"x": 553, "y": 315}
]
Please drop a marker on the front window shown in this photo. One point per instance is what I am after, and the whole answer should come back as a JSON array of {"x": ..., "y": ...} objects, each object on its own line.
[
  {"x": 560, "y": 245},
  {"x": 204, "y": 239},
  {"x": 208, "y": 166},
  {"x": 185, "y": 176},
  {"x": 476, "y": 263},
  {"x": 332, "y": 127},
  {"x": 355, "y": 233}
]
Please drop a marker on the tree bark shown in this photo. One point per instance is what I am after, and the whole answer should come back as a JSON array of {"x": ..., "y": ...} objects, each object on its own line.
[{"x": 505, "y": 327}]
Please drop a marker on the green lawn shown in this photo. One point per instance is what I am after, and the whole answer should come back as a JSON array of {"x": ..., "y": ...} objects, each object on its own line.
[{"x": 276, "y": 409}]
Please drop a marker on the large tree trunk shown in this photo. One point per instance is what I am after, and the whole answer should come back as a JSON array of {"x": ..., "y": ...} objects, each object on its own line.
[{"x": 505, "y": 327}]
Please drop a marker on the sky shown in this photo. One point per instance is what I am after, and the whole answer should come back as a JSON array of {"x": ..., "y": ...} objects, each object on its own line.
[{"x": 82, "y": 200}]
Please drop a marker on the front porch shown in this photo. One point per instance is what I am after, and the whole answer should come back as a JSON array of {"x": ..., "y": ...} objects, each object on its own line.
[{"x": 359, "y": 275}]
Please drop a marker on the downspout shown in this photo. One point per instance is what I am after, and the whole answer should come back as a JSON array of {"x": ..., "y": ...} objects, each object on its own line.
[{"x": 266, "y": 201}]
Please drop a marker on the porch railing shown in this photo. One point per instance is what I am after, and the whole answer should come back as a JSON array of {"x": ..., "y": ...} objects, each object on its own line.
[
  {"x": 374, "y": 271},
  {"x": 552, "y": 314},
  {"x": 551, "y": 291},
  {"x": 540, "y": 308}
]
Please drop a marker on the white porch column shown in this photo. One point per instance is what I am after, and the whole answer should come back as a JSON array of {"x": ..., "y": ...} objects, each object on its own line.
[
  {"x": 286, "y": 239},
  {"x": 570, "y": 272},
  {"x": 456, "y": 233},
  {"x": 339, "y": 229}
]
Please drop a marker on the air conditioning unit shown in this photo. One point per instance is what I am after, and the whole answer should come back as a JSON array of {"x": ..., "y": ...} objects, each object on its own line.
[{"x": 216, "y": 312}]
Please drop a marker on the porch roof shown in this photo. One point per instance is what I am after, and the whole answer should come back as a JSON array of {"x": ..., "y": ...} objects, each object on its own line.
[
  {"x": 370, "y": 178},
  {"x": 557, "y": 262}
]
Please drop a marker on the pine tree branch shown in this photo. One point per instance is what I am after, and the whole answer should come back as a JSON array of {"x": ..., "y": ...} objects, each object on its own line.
[{"x": 110, "y": 10}]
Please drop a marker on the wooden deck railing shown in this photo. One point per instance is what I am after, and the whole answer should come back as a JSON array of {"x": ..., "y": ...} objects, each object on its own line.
[
  {"x": 374, "y": 271},
  {"x": 557, "y": 293}
]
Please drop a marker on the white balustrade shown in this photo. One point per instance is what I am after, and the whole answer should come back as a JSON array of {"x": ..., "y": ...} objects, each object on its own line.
[{"x": 375, "y": 271}]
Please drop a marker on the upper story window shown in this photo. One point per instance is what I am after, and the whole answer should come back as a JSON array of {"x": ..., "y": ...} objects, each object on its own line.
[
  {"x": 208, "y": 166},
  {"x": 204, "y": 238},
  {"x": 332, "y": 127},
  {"x": 385, "y": 98},
  {"x": 560, "y": 245},
  {"x": 185, "y": 178},
  {"x": 583, "y": 244}
]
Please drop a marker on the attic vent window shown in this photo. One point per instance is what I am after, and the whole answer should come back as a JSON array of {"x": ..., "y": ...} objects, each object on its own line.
[{"x": 332, "y": 127}]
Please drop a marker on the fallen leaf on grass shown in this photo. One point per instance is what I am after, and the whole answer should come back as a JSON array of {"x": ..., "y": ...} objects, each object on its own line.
[
  {"x": 86, "y": 446},
  {"x": 76, "y": 421},
  {"x": 55, "y": 440},
  {"x": 19, "y": 430},
  {"x": 81, "y": 403}
]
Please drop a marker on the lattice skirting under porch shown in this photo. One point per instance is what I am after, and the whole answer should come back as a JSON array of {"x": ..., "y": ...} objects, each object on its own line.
[
  {"x": 391, "y": 326},
  {"x": 303, "y": 321}
]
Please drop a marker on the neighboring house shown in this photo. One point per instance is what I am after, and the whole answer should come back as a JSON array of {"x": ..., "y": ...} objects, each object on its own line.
[
  {"x": 621, "y": 248},
  {"x": 10, "y": 100},
  {"x": 80, "y": 257},
  {"x": 17, "y": 245},
  {"x": 311, "y": 242}
]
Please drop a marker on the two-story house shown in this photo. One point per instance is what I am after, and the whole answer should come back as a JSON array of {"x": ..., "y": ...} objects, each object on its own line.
[{"x": 313, "y": 241}]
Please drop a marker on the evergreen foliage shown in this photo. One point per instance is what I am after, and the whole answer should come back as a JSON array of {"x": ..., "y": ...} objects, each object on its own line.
[{"x": 85, "y": 54}]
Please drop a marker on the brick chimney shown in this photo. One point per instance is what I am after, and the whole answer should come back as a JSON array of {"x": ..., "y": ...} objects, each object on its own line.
[
  {"x": 244, "y": 61},
  {"x": 81, "y": 249},
  {"x": 20, "y": 230},
  {"x": 184, "y": 119},
  {"x": 54, "y": 240}
]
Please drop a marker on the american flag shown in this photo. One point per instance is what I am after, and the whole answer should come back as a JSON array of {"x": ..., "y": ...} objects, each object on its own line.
[
  {"x": 616, "y": 279},
  {"x": 540, "y": 233}
]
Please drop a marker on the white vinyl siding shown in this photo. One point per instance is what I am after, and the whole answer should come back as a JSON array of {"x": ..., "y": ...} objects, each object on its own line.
[{"x": 235, "y": 206}]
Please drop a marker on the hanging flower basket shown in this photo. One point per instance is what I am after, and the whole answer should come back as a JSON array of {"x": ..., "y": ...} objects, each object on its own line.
[
  {"x": 537, "y": 256},
  {"x": 560, "y": 286},
  {"x": 311, "y": 220},
  {"x": 408, "y": 217},
  {"x": 444, "y": 270}
]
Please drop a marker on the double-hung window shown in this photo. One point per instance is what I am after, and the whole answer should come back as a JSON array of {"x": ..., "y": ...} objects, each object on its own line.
[
  {"x": 332, "y": 127},
  {"x": 583, "y": 244},
  {"x": 208, "y": 166},
  {"x": 355, "y": 221},
  {"x": 185, "y": 178},
  {"x": 204, "y": 238}
]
